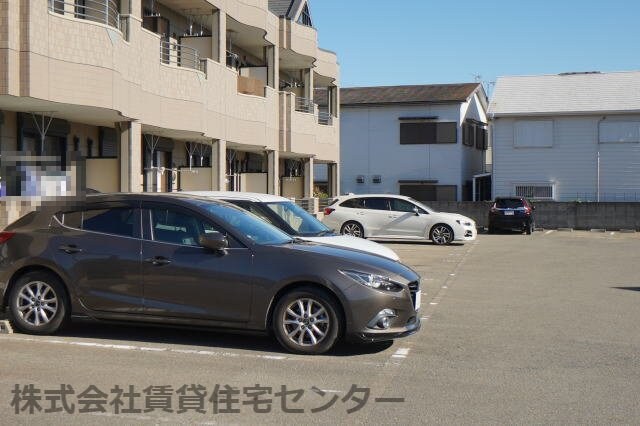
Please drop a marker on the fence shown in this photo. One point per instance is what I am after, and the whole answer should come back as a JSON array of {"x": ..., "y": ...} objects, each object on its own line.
[{"x": 102, "y": 11}]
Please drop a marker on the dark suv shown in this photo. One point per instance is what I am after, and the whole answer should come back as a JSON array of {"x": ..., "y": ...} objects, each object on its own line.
[
  {"x": 511, "y": 213},
  {"x": 197, "y": 262}
]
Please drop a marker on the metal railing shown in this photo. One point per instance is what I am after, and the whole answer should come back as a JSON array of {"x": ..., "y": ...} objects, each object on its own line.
[
  {"x": 102, "y": 11},
  {"x": 304, "y": 105},
  {"x": 325, "y": 118},
  {"x": 233, "y": 60},
  {"x": 172, "y": 53}
]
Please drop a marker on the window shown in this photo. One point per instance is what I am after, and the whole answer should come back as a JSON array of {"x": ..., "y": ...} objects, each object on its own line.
[
  {"x": 353, "y": 203},
  {"x": 398, "y": 205},
  {"x": 468, "y": 134},
  {"x": 535, "y": 191},
  {"x": 298, "y": 218},
  {"x": 376, "y": 203},
  {"x": 619, "y": 131},
  {"x": 170, "y": 226},
  {"x": 533, "y": 134},
  {"x": 481, "y": 138},
  {"x": 419, "y": 133},
  {"x": 305, "y": 17},
  {"x": 118, "y": 221}
]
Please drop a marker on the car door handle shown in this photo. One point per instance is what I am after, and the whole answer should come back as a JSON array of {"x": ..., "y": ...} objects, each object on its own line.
[
  {"x": 70, "y": 249},
  {"x": 158, "y": 261}
]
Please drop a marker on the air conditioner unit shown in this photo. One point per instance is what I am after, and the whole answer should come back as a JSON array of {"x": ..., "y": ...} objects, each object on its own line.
[
  {"x": 360, "y": 179},
  {"x": 376, "y": 179}
]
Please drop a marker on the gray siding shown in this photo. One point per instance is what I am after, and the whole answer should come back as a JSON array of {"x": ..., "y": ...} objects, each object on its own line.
[{"x": 571, "y": 163}]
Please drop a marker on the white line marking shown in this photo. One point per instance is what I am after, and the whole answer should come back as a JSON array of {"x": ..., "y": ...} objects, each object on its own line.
[
  {"x": 330, "y": 391},
  {"x": 548, "y": 232},
  {"x": 433, "y": 303},
  {"x": 401, "y": 353},
  {"x": 613, "y": 233},
  {"x": 452, "y": 275}
]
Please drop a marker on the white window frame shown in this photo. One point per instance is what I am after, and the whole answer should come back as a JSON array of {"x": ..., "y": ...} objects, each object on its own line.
[{"x": 631, "y": 137}]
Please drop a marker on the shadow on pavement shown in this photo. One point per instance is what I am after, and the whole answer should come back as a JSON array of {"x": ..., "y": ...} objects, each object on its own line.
[
  {"x": 627, "y": 288},
  {"x": 203, "y": 339}
]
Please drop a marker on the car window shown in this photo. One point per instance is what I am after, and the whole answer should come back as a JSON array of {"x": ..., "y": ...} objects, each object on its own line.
[
  {"x": 72, "y": 219},
  {"x": 247, "y": 224},
  {"x": 509, "y": 203},
  {"x": 353, "y": 203},
  {"x": 376, "y": 203},
  {"x": 399, "y": 205},
  {"x": 251, "y": 207},
  {"x": 116, "y": 221}
]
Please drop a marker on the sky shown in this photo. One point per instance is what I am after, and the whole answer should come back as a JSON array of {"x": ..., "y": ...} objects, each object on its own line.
[{"x": 397, "y": 42}]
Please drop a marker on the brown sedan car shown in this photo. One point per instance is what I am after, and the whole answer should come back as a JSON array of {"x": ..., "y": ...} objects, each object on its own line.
[{"x": 189, "y": 261}]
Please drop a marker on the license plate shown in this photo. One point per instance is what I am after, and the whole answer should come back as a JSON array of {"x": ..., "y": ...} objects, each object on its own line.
[
  {"x": 508, "y": 213},
  {"x": 418, "y": 293}
]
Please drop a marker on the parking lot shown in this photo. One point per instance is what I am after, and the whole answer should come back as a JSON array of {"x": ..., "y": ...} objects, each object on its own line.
[{"x": 515, "y": 329}]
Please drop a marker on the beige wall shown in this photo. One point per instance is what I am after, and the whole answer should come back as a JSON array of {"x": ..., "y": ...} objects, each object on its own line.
[
  {"x": 253, "y": 182},
  {"x": 200, "y": 179},
  {"x": 292, "y": 187},
  {"x": 103, "y": 174}
]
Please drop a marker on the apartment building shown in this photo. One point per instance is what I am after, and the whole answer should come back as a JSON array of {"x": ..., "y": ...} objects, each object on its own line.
[
  {"x": 164, "y": 95},
  {"x": 427, "y": 141}
]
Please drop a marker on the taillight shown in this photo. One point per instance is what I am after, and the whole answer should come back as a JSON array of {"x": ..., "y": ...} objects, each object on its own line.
[
  {"x": 328, "y": 210},
  {"x": 527, "y": 210},
  {"x": 6, "y": 236}
]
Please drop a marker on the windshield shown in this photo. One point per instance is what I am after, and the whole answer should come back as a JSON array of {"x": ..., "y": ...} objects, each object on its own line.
[
  {"x": 303, "y": 223},
  {"x": 247, "y": 224}
]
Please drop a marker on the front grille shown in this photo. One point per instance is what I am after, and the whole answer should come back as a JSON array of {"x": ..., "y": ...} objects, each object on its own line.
[{"x": 414, "y": 288}]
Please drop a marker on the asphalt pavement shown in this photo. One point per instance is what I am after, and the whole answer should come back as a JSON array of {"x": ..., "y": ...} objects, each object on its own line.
[{"x": 516, "y": 329}]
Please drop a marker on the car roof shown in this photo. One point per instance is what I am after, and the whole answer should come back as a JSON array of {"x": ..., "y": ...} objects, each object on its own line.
[
  {"x": 346, "y": 197},
  {"x": 233, "y": 195},
  {"x": 148, "y": 196}
]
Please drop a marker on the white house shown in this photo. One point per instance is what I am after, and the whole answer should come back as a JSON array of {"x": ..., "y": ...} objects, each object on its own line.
[
  {"x": 572, "y": 136},
  {"x": 428, "y": 142}
]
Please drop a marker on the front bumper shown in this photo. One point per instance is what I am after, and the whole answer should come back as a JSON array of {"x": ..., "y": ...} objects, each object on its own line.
[
  {"x": 466, "y": 233},
  {"x": 366, "y": 303}
]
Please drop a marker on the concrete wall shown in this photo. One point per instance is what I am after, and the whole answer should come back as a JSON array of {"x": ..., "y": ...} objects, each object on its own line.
[{"x": 552, "y": 215}]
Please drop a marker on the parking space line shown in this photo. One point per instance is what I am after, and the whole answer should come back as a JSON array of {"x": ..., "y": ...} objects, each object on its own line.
[
  {"x": 549, "y": 232},
  {"x": 401, "y": 353}
]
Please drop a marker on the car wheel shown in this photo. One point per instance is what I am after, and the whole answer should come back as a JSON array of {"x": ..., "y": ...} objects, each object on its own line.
[
  {"x": 352, "y": 228},
  {"x": 38, "y": 303},
  {"x": 441, "y": 234},
  {"x": 306, "y": 321}
]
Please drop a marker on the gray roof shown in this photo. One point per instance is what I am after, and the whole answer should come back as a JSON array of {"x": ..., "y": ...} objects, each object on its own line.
[
  {"x": 568, "y": 93},
  {"x": 432, "y": 93},
  {"x": 280, "y": 7}
]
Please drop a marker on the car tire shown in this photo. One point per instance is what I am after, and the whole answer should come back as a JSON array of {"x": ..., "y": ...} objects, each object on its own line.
[
  {"x": 38, "y": 303},
  {"x": 441, "y": 234},
  {"x": 352, "y": 228},
  {"x": 301, "y": 333}
]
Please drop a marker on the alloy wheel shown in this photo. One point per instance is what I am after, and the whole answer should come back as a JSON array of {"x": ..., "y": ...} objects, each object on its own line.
[
  {"x": 37, "y": 303},
  {"x": 306, "y": 322},
  {"x": 441, "y": 234},
  {"x": 352, "y": 229}
]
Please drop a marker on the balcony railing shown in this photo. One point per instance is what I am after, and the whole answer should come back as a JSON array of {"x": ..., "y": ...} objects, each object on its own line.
[
  {"x": 102, "y": 11},
  {"x": 233, "y": 60},
  {"x": 304, "y": 105},
  {"x": 325, "y": 118},
  {"x": 172, "y": 53}
]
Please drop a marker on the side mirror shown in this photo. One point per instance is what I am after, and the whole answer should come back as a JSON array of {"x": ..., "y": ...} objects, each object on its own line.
[
  {"x": 416, "y": 211},
  {"x": 214, "y": 241}
]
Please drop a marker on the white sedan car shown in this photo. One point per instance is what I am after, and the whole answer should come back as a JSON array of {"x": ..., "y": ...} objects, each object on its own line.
[
  {"x": 388, "y": 216},
  {"x": 295, "y": 221}
]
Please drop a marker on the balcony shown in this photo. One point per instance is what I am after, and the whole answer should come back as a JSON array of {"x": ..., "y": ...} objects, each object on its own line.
[
  {"x": 325, "y": 118},
  {"x": 172, "y": 53},
  {"x": 304, "y": 105},
  {"x": 101, "y": 11}
]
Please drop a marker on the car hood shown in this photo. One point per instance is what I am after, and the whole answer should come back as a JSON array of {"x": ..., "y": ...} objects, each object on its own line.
[
  {"x": 347, "y": 241},
  {"x": 453, "y": 216},
  {"x": 311, "y": 253}
]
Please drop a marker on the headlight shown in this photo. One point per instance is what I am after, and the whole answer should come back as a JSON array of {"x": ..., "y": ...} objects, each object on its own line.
[
  {"x": 378, "y": 282},
  {"x": 464, "y": 222}
]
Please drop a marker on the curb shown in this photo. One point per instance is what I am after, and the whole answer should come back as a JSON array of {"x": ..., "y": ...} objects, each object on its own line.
[
  {"x": 565, "y": 229},
  {"x": 597, "y": 230},
  {"x": 627, "y": 231}
]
